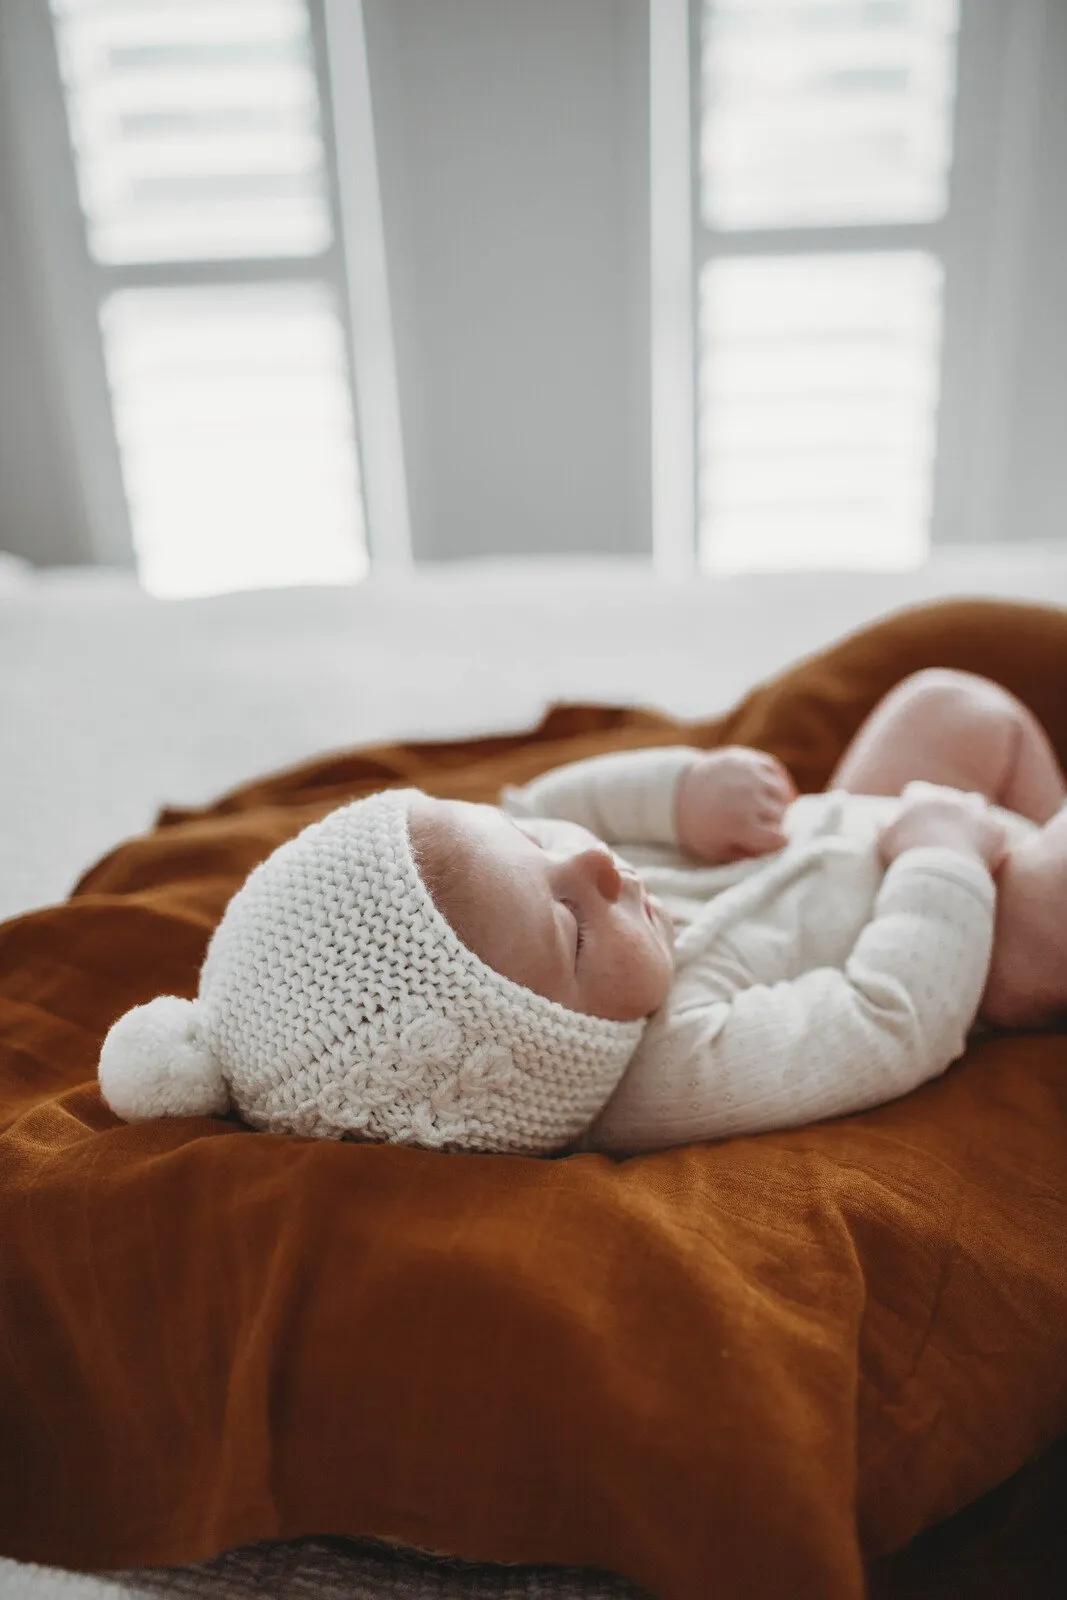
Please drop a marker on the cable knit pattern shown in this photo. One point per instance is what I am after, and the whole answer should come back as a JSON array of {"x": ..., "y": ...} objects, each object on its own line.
[
  {"x": 808, "y": 984},
  {"x": 337, "y": 1001}
]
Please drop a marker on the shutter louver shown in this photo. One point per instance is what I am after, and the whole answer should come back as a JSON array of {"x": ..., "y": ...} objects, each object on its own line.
[
  {"x": 195, "y": 130},
  {"x": 818, "y": 372}
]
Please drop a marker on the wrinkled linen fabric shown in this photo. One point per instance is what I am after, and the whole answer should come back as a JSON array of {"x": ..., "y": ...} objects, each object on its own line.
[{"x": 748, "y": 1368}]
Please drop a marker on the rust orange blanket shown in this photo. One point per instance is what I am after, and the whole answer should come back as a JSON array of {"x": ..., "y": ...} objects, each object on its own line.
[{"x": 744, "y": 1370}]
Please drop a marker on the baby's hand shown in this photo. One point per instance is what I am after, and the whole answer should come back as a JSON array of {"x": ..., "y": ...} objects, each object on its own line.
[
  {"x": 730, "y": 804},
  {"x": 934, "y": 815}
]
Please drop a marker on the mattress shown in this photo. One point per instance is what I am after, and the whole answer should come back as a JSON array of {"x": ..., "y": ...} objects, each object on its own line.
[{"x": 121, "y": 703}]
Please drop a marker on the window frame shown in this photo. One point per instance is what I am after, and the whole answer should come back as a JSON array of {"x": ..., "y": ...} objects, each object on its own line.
[
  {"x": 979, "y": 240},
  {"x": 76, "y": 284},
  {"x": 1004, "y": 222}
]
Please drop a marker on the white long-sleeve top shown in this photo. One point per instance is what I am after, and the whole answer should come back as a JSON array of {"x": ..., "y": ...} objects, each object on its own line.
[{"x": 808, "y": 984}]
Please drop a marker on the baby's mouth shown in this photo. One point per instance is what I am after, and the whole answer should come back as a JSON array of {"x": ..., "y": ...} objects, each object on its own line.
[{"x": 657, "y": 915}]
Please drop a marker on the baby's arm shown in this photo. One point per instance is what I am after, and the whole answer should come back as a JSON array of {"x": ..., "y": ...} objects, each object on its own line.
[
  {"x": 716, "y": 805},
  {"x": 748, "y": 1059}
]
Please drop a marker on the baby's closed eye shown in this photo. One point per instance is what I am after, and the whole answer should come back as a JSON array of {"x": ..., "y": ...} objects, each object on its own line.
[{"x": 579, "y": 926}]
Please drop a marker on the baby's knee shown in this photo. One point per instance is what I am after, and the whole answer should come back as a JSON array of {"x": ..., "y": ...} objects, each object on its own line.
[
  {"x": 960, "y": 701},
  {"x": 973, "y": 724}
]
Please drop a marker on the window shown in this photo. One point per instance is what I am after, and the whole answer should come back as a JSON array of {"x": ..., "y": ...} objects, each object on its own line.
[
  {"x": 853, "y": 231},
  {"x": 205, "y": 182},
  {"x": 824, "y": 140}
]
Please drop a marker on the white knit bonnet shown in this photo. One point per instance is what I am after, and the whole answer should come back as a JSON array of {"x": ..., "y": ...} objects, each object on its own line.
[{"x": 335, "y": 1000}]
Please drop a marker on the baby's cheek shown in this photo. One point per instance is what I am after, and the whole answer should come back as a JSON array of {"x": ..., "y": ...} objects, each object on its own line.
[
  {"x": 664, "y": 979},
  {"x": 651, "y": 972}
]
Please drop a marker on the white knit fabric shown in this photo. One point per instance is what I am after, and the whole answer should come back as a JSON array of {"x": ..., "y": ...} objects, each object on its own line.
[
  {"x": 335, "y": 1000},
  {"x": 808, "y": 984}
]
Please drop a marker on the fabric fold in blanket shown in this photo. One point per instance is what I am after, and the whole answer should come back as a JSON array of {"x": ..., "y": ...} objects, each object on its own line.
[{"x": 745, "y": 1369}]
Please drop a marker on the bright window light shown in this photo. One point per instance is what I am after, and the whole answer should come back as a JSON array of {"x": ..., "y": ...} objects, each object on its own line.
[
  {"x": 195, "y": 126},
  {"x": 819, "y": 345},
  {"x": 236, "y": 436},
  {"x": 196, "y": 132},
  {"x": 818, "y": 390},
  {"x": 820, "y": 112}
]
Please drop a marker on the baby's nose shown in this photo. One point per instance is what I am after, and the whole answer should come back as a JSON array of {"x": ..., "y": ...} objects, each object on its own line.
[{"x": 603, "y": 870}]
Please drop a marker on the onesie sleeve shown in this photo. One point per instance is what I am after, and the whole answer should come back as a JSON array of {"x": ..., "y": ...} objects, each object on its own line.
[
  {"x": 624, "y": 797},
  {"x": 749, "y": 1058}
]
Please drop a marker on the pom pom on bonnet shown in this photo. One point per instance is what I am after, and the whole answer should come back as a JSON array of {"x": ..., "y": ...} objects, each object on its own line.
[{"x": 335, "y": 1000}]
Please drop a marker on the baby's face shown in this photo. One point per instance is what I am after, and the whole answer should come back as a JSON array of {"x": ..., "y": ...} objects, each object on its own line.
[{"x": 547, "y": 905}]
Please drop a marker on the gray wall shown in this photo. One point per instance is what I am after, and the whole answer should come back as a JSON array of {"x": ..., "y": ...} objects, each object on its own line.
[
  {"x": 1034, "y": 495},
  {"x": 513, "y": 159},
  {"x": 40, "y": 515},
  {"x": 61, "y": 496},
  {"x": 1001, "y": 469}
]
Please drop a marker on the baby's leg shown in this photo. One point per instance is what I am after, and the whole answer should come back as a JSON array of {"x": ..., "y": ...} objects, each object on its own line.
[
  {"x": 958, "y": 729},
  {"x": 1027, "y": 983},
  {"x": 955, "y": 728}
]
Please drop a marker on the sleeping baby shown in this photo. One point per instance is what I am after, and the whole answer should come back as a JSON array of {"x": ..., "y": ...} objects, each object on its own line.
[{"x": 634, "y": 951}]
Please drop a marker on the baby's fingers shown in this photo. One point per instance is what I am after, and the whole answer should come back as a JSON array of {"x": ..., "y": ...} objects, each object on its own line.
[
  {"x": 763, "y": 837},
  {"x": 777, "y": 788},
  {"x": 787, "y": 788},
  {"x": 772, "y": 802},
  {"x": 775, "y": 800},
  {"x": 779, "y": 775}
]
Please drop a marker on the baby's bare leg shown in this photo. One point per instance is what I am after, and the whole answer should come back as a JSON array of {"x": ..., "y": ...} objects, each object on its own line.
[
  {"x": 955, "y": 728},
  {"x": 1027, "y": 982}
]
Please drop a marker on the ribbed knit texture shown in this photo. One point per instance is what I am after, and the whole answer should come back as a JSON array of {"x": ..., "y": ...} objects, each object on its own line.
[{"x": 337, "y": 1001}]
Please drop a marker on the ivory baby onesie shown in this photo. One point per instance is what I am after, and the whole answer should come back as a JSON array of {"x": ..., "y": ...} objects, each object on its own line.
[{"x": 808, "y": 983}]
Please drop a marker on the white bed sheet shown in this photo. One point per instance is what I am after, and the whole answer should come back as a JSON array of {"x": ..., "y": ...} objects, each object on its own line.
[{"x": 113, "y": 703}]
